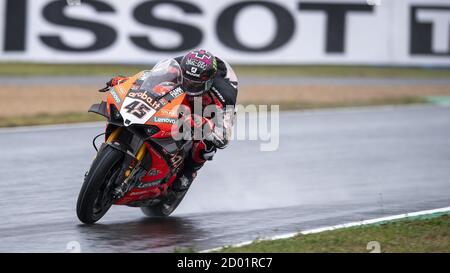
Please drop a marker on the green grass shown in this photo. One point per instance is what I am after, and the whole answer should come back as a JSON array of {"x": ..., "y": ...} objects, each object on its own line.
[
  {"x": 46, "y": 119},
  {"x": 36, "y": 69},
  {"x": 423, "y": 235}
]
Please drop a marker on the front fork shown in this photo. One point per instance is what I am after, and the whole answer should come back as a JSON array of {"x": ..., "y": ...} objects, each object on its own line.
[
  {"x": 114, "y": 136},
  {"x": 131, "y": 167}
]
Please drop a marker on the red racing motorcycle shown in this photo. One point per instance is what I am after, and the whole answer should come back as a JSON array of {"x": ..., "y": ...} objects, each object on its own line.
[{"x": 143, "y": 151}]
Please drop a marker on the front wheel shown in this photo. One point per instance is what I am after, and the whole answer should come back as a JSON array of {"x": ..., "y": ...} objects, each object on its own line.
[{"x": 95, "y": 196}]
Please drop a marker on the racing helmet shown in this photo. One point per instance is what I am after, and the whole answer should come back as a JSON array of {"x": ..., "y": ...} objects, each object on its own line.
[{"x": 199, "y": 67}]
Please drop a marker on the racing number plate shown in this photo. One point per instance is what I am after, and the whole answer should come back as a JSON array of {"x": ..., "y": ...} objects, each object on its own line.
[{"x": 136, "y": 111}]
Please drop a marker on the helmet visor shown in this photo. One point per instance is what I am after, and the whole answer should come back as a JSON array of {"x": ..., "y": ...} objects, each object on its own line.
[{"x": 195, "y": 88}]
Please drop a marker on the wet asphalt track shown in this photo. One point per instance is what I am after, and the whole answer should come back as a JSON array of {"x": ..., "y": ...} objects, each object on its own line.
[{"x": 332, "y": 167}]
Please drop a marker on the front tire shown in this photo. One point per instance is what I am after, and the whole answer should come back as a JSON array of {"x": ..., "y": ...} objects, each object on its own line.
[{"x": 95, "y": 196}]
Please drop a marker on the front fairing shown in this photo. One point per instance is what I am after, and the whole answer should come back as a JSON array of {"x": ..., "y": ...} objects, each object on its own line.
[
  {"x": 150, "y": 92},
  {"x": 143, "y": 95}
]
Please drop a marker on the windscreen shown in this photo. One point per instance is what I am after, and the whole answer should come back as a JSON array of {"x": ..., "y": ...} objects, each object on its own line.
[{"x": 163, "y": 77}]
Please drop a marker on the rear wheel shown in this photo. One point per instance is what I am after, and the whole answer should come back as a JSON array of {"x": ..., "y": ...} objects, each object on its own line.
[
  {"x": 95, "y": 196},
  {"x": 166, "y": 206}
]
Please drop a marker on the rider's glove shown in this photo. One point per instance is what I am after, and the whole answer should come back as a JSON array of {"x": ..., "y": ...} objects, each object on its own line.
[
  {"x": 220, "y": 134},
  {"x": 210, "y": 132},
  {"x": 201, "y": 127},
  {"x": 217, "y": 138}
]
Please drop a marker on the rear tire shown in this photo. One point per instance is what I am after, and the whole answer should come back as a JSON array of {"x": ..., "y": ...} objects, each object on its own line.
[
  {"x": 165, "y": 207},
  {"x": 95, "y": 197}
]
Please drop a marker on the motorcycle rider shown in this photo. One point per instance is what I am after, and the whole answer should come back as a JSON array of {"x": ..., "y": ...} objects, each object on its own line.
[{"x": 212, "y": 81}]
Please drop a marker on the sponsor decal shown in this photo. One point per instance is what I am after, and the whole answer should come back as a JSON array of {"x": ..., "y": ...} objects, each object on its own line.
[
  {"x": 149, "y": 184},
  {"x": 153, "y": 172},
  {"x": 146, "y": 98},
  {"x": 116, "y": 97},
  {"x": 165, "y": 134},
  {"x": 165, "y": 120},
  {"x": 197, "y": 63},
  {"x": 193, "y": 73},
  {"x": 172, "y": 113},
  {"x": 176, "y": 92},
  {"x": 217, "y": 93}
]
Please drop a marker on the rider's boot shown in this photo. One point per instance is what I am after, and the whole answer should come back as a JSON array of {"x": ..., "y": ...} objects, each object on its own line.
[
  {"x": 202, "y": 151},
  {"x": 186, "y": 176}
]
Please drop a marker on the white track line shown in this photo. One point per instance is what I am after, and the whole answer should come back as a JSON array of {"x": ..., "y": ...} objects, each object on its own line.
[{"x": 341, "y": 226}]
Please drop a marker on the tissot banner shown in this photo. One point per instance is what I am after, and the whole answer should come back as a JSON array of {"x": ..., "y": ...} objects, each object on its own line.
[{"x": 374, "y": 32}]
